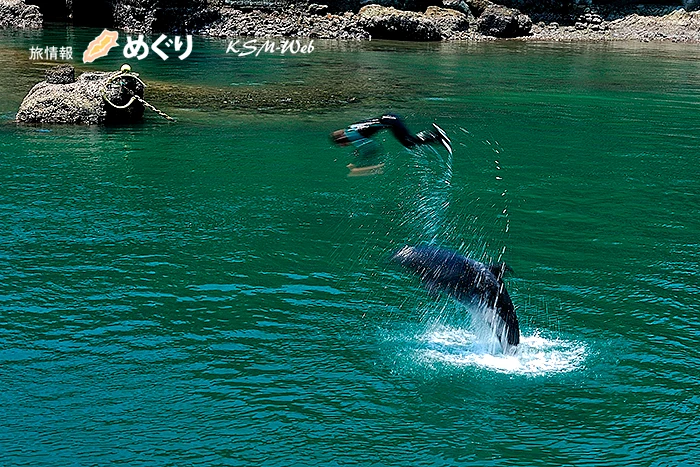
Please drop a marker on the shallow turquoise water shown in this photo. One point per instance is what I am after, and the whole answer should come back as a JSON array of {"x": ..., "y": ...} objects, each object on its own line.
[{"x": 217, "y": 291}]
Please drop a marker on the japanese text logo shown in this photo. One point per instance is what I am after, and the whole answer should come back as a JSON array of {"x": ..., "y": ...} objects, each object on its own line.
[{"x": 137, "y": 48}]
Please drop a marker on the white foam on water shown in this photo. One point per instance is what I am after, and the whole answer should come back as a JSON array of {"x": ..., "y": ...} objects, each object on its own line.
[{"x": 535, "y": 355}]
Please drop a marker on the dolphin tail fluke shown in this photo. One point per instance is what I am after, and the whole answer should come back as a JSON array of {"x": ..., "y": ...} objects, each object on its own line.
[
  {"x": 507, "y": 333},
  {"x": 513, "y": 336}
]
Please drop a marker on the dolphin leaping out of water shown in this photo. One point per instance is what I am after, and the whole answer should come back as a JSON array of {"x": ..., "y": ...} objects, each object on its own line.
[{"x": 469, "y": 282}]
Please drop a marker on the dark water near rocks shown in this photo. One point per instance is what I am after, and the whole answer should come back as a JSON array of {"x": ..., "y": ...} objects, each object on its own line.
[{"x": 216, "y": 291}]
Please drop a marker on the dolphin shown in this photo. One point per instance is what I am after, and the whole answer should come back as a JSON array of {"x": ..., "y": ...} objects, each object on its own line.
[{"x": 469, "y": 282}]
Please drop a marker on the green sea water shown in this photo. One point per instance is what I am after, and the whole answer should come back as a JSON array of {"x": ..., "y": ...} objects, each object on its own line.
[{"x": 218, "y": 292}]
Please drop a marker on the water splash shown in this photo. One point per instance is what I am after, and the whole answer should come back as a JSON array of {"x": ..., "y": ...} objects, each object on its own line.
[
  {"x": 428, "y": 195},
  {"x": 535, "y": 356}
]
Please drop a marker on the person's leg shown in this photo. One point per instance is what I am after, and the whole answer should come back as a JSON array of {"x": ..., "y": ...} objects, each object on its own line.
[
  {"x": 357, "y": 132},
  {"x": 399, "y": 130}
]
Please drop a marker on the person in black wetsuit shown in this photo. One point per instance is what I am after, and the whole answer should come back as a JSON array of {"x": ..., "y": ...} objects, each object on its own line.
[{"x": 358, "y": 134}]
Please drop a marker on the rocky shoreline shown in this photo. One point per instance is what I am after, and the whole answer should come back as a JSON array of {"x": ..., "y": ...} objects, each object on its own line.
[
  {"x": 449, "y": 23},
  {"x": 472, "y": 20},
  {"x": 675, "y": 25}
]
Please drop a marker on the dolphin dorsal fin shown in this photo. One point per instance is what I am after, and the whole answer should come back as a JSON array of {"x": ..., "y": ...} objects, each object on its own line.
[{"x": 499, "y": 269}]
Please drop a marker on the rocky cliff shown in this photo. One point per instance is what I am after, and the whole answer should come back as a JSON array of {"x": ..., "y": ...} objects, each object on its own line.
[{"x": 354, "y": 19}]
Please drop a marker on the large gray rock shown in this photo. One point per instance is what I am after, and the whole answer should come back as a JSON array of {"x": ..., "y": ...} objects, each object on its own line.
[
  {"x": 135, "y": 15},
  {"x": 291, "y": 23},
  {"x": 15, "y": 14},
  {"x": 389, "y": 23},
  {"x": 499, "y": 21},
  {"x": 462, "y": 6},
  {"x": 477, "y": 7},
  {"x": 81, "y": 101},
  {"x": 180, "y": 16},
  {"x": 449, "y": 21}
]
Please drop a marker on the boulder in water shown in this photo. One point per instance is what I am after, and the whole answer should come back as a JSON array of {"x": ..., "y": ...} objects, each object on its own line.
[
  {"x": 389, "y": 23},
  {"x": 499, "y": 21},
  {"x": 63, "y": 99},
  {"x": 449, "y": 21}
]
